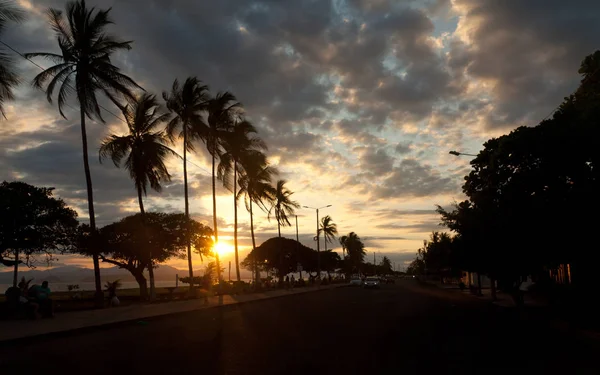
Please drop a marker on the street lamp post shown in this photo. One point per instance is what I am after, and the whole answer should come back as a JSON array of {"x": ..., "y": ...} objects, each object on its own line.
[
  {"x": 456, "y": 153},
  {"x": 317, "y": 238}
]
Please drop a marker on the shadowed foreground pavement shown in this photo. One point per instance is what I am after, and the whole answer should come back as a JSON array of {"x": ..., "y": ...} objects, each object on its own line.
[{"x": 402, "y": 328}]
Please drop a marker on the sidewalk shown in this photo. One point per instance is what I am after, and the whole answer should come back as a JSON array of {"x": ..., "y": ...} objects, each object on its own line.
[{"x": 18, "y": 329}]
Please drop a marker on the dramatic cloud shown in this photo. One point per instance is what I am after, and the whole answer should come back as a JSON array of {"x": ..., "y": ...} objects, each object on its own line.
[{"x": 359, "y": 101}]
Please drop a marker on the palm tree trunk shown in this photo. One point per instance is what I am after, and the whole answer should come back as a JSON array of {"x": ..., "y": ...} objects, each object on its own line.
[
  {"x": 256, "y": 276},
  {"x": 214, "y": 193},
  {"x": 150, "y": 264},
  {"x": 99, "y": 295},
  {"x": 187, "y": 207},
  {"x": 279, "y": 228},
  {"x": 235, "y": 222}
]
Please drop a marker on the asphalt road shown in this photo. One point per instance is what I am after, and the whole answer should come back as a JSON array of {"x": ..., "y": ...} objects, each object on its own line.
[{"x": 404, "y": 328}]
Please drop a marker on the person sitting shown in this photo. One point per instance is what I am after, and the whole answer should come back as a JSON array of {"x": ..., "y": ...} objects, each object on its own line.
[{"x": 41, "y": 296}]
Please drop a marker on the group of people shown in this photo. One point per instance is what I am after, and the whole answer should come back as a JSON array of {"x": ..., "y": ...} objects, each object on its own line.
[{"x": 35, "y": 301}]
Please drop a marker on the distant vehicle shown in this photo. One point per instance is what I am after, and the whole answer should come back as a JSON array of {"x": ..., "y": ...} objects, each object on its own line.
[
  {"x": 356, "y": 280},
  {"x": 372, "y": 282}
]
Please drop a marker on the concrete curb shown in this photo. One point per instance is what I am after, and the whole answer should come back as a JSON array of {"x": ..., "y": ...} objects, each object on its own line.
[{"x": 110, "y": 325}]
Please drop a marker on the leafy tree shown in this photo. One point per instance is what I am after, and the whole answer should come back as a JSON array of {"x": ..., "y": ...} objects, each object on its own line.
[
  {"x": 533, "y": 181},
  {"x": 281, "y": 255},
  {"x": 243, "y": 150},
  {"x": 416, "y": 267},
  {"x": 137, "y": 241},
  {"x": 84, "y": 67},
  {"x": 328, "y": 228},
  {"x": 9, "y": 11},
  {"x": 187, "y": 103},
  {"x": 283, "y": 206},
  {"x": 32, "y": 221},
  {"x": 256, "y": 188},
  {"x": 144, "y": 150}
]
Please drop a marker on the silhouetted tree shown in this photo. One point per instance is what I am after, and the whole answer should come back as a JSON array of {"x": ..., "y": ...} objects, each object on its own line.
[
  {"x": 328, "y": 228},
  {"x": 84, "y": 67},
  {"x": 256, "y": 188},
  {"x": 187, "y": 103},
  {"x": 32, "y": 221},
  {"x": 242, "y": 149},
  {"x": 223, "y": 111},
  {"x": 144, "y": 149},
  {"x": 9, "y": 11},
  {"x": 355, "y": 249},
  {"x": 386, "y": 265},
  {"x": 136, "y": 241},
  {"x": 283, "y": 206}
]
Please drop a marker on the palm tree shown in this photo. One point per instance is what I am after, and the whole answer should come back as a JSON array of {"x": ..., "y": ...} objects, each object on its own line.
[
  {"x": 328, "y": 228},
  {"x": 8, "y": 77},
  {"x": 84, "y": 68},
  {"x": 256, "y": 187},
  {"x": 240, "y": 146},
  {"x": 144, "y": 149},
  {"x": 283, "y": 206},
  {"x": 187, "y": 103},
  {"x": 342, "y": 241},
  {"x": 222, "y": 111},
  {"x": 355, "y": 249}
]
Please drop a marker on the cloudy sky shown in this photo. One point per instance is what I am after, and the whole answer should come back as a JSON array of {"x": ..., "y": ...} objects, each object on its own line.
[{"x": 359, "y": 101}]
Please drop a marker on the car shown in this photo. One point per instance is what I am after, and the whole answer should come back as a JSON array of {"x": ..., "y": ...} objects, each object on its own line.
[
  {"x": 356, "y": 281},
  {"x": 372, "y": 282}
]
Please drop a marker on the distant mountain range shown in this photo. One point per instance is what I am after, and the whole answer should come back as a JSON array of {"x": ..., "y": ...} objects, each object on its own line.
[{"x": 76, "y": 274}]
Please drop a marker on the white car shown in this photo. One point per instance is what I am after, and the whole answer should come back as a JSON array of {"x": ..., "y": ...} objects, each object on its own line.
[
  {"x": 356, "y": 281},
  {"x": 372, "y": 282}
]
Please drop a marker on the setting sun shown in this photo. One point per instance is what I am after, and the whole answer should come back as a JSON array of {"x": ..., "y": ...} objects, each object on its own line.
[{"x": 223, "y": 248}]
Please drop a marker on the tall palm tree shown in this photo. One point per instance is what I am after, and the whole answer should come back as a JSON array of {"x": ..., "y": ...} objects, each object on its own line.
[
  {"x": 84, "y": 67},
  {"x": 187, "y": 103},
  {"x": 222, "y": 111},
  {"x": 283, "y": 206},
  {"x": 355, "y": 249},
  {"x": 256, "y": 187},
  {"x": 240, "y": 145},
  {"x": 145, "y": 151},
  {"x": 328, "y": 228},
  {"x": 9, "y": 11},
  {"x": 342, "y": 241}
]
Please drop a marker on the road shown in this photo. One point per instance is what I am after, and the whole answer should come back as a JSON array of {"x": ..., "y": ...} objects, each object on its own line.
[{"x": 402, "y": 328}]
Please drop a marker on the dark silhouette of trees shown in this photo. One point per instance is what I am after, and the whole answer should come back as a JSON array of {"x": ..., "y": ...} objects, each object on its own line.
[
  {"x": 84, "y": 67},
  {"x": 283, "y": 206},
  {"x": 386, "y": 266},
  {"x": 187, "y": 103},
  {"x": 137, "y": 241},
  {"x": 223, "y": 111},
  {"x": 355, "y": 250},
  {"x": 256, "y": 188},
  {"x": 243, "y": 149},
  {"x": 328, "y": 228},
  {"x": 9, "y": 11},
  {"x": 32, "y": 221},
  {"x": 144, "y": 149},
  {"x": 281, "y": 255},
  {"x": 531, "y": 182}
]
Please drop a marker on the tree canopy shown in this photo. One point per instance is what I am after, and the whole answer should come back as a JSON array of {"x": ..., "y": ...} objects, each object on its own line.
[
  {"x": 32, "y": 221},
  {"x": 136, "y": 240}
]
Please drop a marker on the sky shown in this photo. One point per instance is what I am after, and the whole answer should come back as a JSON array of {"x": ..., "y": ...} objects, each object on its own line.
[{"x": 359, "y": 102}]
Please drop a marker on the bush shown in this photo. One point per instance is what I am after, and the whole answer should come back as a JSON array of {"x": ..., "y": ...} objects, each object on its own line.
[{"x": 462, "y": 285}]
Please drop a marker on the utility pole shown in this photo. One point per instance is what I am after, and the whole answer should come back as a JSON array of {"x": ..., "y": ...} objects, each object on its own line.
[
  {"x": 229, "y": 270},
  {"x": 298, "y": 245},
  {"x": 374, "y": 264},
  {"x": 317, "y": 239}
]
